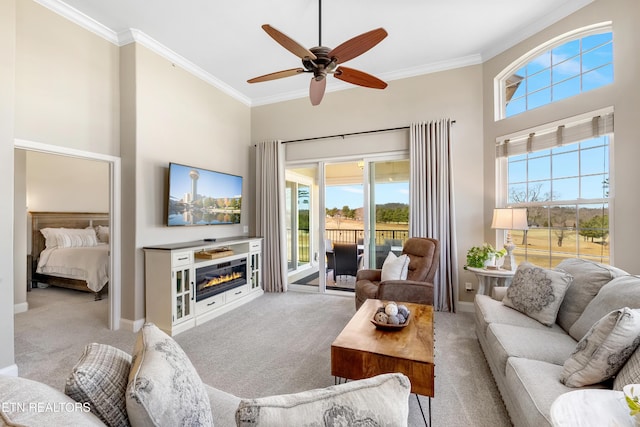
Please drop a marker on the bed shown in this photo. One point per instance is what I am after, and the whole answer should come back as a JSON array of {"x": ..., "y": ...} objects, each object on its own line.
[{"x": 70, "y": 250}]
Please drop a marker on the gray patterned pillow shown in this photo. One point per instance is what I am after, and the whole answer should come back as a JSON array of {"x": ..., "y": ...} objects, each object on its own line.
[
  {"x": 164, "y": 388},
  {"x": 537, "y": 292},
  {"x": 378, "y": 401},
  {"x": 604, "y": 349},
  {"x": 100, "y": 379},
  {"x": 629, "y": 373}
]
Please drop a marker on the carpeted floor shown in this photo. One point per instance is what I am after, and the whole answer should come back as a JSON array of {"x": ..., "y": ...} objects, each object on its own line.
[{"x": 278, "y": 343}]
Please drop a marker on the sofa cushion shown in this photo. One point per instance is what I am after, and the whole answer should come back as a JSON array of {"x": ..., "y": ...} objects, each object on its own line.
[
  {"x": 488, "y": 311},
  {"x": 588, "y": 278},
  {"x": 506, "y": 341},
  {"x": 30, "y": 403},
  {"x": 164, "y": 388},
  {"x": 100, "y": 379},
  {"x": 537, "y": 292},
  {"x": 629, "y": 373},
  {"x": 623, "y": 291},
  {"x": 604, "y": 349},
  {"x": 382, "y": 400},
  {"x": 535, "y": 385}
]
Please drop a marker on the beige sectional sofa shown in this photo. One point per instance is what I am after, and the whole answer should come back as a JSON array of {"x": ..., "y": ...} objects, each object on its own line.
[
  {"x": 159, "y": 386},
  {"x": 533, "y": 363}
]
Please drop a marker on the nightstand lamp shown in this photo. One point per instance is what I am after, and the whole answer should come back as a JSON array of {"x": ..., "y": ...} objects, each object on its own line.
[{"x": 509, "y": 219}]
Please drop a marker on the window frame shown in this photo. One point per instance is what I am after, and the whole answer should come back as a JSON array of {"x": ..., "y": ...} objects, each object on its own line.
[{"x": 501, "y": 79}]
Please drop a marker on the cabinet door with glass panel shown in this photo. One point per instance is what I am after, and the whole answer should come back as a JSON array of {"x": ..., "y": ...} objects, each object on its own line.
[{"x": 183, "y": 294}]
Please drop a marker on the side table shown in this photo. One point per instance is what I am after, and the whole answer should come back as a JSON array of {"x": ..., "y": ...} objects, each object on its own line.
[
  {"x": 591, "y": 408},
  {"x": 487, "y": 278}
]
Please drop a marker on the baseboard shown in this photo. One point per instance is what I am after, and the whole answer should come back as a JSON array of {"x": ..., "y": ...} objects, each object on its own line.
[
  {"x": 10, "y": 371},
  {"x": 465, "y": 306},
  {"x": 131, "y": 325},
  {"x": 20, "y": 308}
]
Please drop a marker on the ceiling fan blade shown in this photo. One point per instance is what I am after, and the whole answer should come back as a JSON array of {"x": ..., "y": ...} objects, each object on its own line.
[
  {"x": 276, "y": 75},
  {"x": 357, "y": 45},
  {"x": 359, "y": 78},
  {"x": 288, "y": 43},
  {"x": 316, "y": 90}
]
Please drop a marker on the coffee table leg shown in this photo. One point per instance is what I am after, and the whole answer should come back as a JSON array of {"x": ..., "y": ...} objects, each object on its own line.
[{"x": 422, "y": 411}]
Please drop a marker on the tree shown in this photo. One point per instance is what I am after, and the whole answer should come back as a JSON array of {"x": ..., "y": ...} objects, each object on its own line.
[{"x": 595, "y": 228}]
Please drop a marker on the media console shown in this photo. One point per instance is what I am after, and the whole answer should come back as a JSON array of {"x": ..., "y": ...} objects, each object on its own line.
[{"x": 187, "y": 284}]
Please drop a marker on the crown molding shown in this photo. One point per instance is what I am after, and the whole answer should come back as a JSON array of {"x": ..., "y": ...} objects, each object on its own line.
[{"x": 79, "y": 18}]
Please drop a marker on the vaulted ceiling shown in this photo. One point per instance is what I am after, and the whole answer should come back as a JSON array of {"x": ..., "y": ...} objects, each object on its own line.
[{"x": 224, "y": 41}]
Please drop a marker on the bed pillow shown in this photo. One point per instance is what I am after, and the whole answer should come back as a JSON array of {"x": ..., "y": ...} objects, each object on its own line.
[
  {"x": 102, "y": 232},
  {"x": 395, "y": 267},
  {"x": 50, "y": 237},
  {"x": 164, "y": 388},
  {"x": 100, "y": 379},
  {"x": 537, "y": 292},
  {"x": 76, "y": 237},
  {"x": 382, "y": 400},
  {"x": 601, "y": 353}
]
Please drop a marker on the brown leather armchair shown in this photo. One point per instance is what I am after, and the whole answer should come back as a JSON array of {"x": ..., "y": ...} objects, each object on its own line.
[{"x": 424, "y": 258}]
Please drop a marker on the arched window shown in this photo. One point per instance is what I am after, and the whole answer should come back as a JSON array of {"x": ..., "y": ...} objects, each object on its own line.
[{"x": 573, "y": 63}]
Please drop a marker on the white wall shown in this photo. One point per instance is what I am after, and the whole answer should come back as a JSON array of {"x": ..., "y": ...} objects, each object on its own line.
[
  {"x": 20, "y": 224},
  {"x": 623, "y": 95},
  {"x": 7, "y": 117}
]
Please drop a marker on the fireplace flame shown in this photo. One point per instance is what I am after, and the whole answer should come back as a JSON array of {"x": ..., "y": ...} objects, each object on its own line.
[{"x": 223, "y": 279}]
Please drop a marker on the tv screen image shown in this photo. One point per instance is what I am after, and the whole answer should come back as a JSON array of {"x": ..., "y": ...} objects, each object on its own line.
[{"x": 203, "y": 197}]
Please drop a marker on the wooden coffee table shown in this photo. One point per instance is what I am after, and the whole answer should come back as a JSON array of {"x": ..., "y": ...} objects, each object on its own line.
[{"x": 363, "y": 351}]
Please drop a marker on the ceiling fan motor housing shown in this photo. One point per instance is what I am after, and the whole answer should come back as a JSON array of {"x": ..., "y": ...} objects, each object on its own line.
[{"x": 322, "y": 65}]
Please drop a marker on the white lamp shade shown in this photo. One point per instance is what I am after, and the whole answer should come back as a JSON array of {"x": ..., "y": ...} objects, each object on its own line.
[{"x": 510, "y": 219}]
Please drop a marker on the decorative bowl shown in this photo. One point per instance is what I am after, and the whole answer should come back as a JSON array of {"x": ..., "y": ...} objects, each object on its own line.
[{"x": 391, "y": 327}]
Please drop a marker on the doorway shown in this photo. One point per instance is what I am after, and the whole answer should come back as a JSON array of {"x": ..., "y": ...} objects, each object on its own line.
[{"x": 114, "y": 210}]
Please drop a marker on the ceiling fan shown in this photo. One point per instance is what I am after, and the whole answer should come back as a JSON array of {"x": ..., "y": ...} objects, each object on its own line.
[{"x": 321, "y": 60}]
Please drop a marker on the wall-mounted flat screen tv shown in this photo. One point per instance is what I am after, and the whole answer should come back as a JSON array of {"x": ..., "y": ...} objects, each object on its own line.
[{"x": 203, "y": 197}]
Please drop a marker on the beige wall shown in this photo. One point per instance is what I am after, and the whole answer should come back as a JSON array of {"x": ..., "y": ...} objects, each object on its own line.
[
  {"x": 178, "y": 118},
  {"x": 7, "y": 118},
  {"x": 623, "y": 95},
  {"x": 455, "y": 94},
  {"x": 20, "y": 224},
  {"x": 66, "y": 83}
]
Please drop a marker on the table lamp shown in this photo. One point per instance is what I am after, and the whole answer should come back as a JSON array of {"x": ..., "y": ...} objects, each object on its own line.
[{"x": 509, "y": 219}]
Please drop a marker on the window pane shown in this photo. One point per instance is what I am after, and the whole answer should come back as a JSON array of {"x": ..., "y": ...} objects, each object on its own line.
[
  {"x": 566, "y": 189},
  {"x": 565, "y": 51},
  {"x": 566, "y": 70},
  {"x": 598, "y": 77},
  {"x": 516, "y": 107},
  {"x": 540, "y": 168},
  {"x": 539, "y": 81},
  {"x": 517, "y": 171},
  {"x": 597, "y": 57},
  {"x": 540, "y": 63},
  {"x": 594, "y": 187},
  {"x": 541, "y": 153},
  {"x": 566, "y": 89},
  {"x": 593, "y": 229},
  {"x": 594, "y": 160},
  {"x": 590, "y": 42},
  {"x": 565, "y": 164},
  {"x": 595, "y": 142},
  {"x": 538, "y": 99},
  {"x": 539, "y": 191},
  {"x": 517, "y": 193}
]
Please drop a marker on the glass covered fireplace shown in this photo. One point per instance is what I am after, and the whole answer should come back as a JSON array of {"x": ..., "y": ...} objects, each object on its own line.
[{"x": 217, "y": 278}]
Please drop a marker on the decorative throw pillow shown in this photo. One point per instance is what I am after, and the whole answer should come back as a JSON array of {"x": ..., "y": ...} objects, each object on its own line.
[
  {"x": 629, "y": 373},
  {"x": 164, "y": 388},
  {"x": 102, "y": 232},
  {"x": 382, "y": 400},
  {"x": 604, "y": 349},
  {"x": 588, "y": 278},
  {"x": 537, "y": 292},
  {"x": 100, "y": 379},
  {"x": 395, "y": 267},
  {"x": 621, "y": 292}
]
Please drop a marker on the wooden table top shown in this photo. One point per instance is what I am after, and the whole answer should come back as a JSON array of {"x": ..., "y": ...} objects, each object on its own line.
[{"x": 413, "y": 342}]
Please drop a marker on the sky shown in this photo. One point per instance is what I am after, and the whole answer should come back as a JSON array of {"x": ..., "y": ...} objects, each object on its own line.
[{"x": 353, "y": 195}]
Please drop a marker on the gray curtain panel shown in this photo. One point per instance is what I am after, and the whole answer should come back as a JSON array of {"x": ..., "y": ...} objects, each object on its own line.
[
  {"x": 270, "y": 214},
  {"x": 432, "y": 212}
]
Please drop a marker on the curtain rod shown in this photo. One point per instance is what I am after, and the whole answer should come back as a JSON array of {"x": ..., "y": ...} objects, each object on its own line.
[{"x": 350, "y": 134}]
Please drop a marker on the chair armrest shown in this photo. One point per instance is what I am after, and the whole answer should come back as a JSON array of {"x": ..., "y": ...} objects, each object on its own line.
[
  {"x": 370, "y": 275},
  {"x": 498, "y": 292},
  {"x": 407, "y": 291}
]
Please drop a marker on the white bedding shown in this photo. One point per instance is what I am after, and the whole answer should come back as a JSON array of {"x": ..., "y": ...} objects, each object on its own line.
[{"x": 84, "y": 263}]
